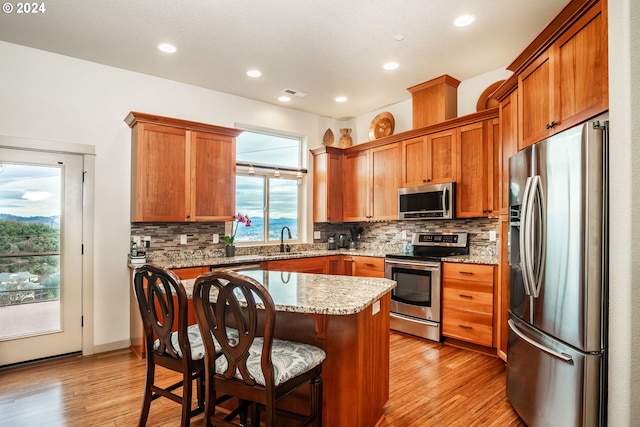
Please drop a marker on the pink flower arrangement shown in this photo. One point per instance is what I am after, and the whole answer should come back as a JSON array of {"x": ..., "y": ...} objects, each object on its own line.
[{"x": 240, "y": 219}]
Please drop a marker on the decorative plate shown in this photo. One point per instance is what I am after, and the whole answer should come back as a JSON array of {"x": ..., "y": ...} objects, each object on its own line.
[
  {"x": 328, "y": 137},
  {"x": 381, "y": 125}
]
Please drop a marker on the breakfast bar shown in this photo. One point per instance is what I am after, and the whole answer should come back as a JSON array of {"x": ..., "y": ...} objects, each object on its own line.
[{"x": 348, "y": 317}]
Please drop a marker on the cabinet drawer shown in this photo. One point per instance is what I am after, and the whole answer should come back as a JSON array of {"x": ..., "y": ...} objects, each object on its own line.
[
  {"x": 479, "y": 272},
  {"x": 468, "y": 297},
  {"x": 468, "y": 326},
  {"x": 368, "y": 266}
]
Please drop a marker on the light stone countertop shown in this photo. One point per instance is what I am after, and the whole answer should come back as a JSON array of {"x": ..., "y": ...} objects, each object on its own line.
[
  {"x": 317, "y": 293},
  {"x": 221, "y": 261},
  {"x": 197, "y": 261}
]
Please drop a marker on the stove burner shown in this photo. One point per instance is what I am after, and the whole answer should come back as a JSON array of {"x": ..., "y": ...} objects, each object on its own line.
[{"x": 435, "y": 246}]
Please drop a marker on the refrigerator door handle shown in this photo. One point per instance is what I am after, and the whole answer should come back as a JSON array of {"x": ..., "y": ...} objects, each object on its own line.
[
  {"x": 525, "y": 225},
  {"x": 562, "y": 356},
  {"x": 538, "y": 236}
]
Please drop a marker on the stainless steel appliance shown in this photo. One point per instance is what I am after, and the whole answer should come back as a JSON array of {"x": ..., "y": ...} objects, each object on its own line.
[
  {"x": 416, "y": 300},
  {"x": 556, "y": 357},
  {"x": 433, "y": 201}
]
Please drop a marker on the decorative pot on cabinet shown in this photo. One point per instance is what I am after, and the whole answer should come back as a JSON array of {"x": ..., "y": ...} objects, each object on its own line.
[{"x": 345, "y": 138}]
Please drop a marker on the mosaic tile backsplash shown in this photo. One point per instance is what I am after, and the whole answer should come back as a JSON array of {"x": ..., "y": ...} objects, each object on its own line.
[{"x": 384, "y": 237}]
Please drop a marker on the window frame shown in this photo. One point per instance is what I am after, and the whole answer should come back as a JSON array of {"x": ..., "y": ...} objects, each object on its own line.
[{"x": 269, "y": 172}]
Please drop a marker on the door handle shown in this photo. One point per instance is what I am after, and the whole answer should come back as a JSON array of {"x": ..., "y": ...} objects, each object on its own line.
[{"x": 562, "y": 356}]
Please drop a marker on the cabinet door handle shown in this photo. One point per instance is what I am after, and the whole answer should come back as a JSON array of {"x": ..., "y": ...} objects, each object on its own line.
[
  {"x": 466, "y": 272},
  {"x": 465, "y": 296},
  {"x": 368, "y": 264},
  {"x": 465, "y": 327},
  {"x": 552, "y": 125}
]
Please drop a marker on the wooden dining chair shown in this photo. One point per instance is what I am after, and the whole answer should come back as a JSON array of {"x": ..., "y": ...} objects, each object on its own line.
[
  {"x": 252, "y": 365},
  {"x": 170, "y": 341}
]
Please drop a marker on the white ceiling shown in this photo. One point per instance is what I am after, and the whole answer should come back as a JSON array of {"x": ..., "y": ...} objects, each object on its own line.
[{"x": 325, "y": 48}]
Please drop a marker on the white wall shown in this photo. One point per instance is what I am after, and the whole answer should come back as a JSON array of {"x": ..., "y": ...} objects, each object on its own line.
[
  {"x": 624, "y": 99},
  {"x": 53, "y": 97}
]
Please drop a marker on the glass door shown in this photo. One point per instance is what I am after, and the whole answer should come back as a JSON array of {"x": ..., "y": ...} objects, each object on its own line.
[{"x": 40, "y": 255}]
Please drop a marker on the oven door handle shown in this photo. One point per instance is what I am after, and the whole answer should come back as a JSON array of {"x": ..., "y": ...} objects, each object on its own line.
[{"x": 422, "y": 265}]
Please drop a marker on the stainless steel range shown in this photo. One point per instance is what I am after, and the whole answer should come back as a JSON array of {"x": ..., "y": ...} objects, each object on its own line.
[{"x": 416, "y": 301}]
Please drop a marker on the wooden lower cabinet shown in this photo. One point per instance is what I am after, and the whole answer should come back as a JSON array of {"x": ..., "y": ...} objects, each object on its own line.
[
  {"x": 363, "y": 266},
  {"x": 317, "y": 265},
  {"x": 355, "y": 374},
  {"x": 468, "y": 302}
]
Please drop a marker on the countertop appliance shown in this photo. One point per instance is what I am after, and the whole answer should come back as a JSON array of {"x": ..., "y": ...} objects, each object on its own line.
[
  {"x": 416, "y": 300},
  {"x": 557, "y": 349},
  {"x": 432, "y": 201}
]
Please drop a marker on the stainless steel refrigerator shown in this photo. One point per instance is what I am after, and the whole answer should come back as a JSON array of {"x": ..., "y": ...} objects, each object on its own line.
[{"x": 558, "y": 204}]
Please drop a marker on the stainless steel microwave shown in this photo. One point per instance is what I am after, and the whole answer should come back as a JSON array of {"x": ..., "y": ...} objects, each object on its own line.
[{"x": 433, "y": 201}]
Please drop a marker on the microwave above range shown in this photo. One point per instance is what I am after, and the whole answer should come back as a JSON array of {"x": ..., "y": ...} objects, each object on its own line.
[{"x": 432, "y": 201}]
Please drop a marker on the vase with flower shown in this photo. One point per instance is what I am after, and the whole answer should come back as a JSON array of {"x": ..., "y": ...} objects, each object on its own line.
[{"x": 229, "y": 247}]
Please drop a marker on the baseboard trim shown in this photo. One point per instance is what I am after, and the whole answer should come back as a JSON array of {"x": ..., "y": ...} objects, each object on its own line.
[{"x": 118, "y": 345}]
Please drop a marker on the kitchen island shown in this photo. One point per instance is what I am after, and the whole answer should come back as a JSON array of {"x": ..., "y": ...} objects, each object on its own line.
[{"x": 348, "y": 317}]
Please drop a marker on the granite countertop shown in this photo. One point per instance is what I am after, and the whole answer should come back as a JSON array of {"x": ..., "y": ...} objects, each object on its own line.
[
  {"x": 317, "y": 293},
  {"x": 186, "y": 260},
  {"x": 195, "y": 261}
]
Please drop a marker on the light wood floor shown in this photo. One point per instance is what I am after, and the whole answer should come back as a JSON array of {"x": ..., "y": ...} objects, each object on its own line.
[{"x": 431, "y": 385}]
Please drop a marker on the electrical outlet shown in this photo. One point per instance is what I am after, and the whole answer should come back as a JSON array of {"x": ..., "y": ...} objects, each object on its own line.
[
  {"x": 492, "y": 236},
  {"x": 316, "y": 235},
  {"x": 183, "y": 239},
  {"x": 136, "y": 240},
  {"x": 404, "y": 234},
  {"x": 147, "y": 241},
  {"x": 216, "y": 238}
]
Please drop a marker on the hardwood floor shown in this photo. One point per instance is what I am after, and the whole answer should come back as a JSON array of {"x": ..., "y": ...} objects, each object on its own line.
[{"x": 431, "y": 385}]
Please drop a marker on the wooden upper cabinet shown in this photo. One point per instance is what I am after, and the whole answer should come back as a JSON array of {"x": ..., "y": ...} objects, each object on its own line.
[
  {"x": 429, "y": 159},
  {"x": 213, "y": 177},
  {"x": 356, "y": 189},
  {"x": 441, "y": 150},
  {"x": 327, "y": 184},
  {"x": 535, "y": 101},
  {"x": 476, "y": 184},
  {"x": 568, "y": 82},
  {"x": 581, "y": 70},
  {"x": 181, "y": 171},
  {"x": 434, "y": 101},
  {"x": 507, "y": 147},
  {"x": 371, "y": 181},
  {"x": 385, "y": 181},
  {"x": 159, "y": 174}
]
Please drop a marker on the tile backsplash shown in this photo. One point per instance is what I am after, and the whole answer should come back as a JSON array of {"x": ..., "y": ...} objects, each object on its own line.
[
  {"x": 384, "y": 237},
  {"x": 389, "y": 233}
]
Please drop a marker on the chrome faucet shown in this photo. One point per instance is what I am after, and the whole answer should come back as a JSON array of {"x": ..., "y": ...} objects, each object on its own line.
[{"x": 284, "y": 248}]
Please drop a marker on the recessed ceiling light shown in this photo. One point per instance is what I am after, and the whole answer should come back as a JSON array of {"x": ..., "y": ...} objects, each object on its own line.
[
  {"x": 390, "y": 66},
  {"x": 341, "y": 99},
  {"x": 254, "y": 73},
  {"x": 463, "y": 20},
  {"x": 167, "y": 47},
  {"x": 284, "y": 99},
  {"x": 399, "y": 37}
]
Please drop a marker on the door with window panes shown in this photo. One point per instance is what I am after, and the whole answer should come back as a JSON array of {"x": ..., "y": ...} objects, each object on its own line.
[{"x": 40, "y": 255}]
